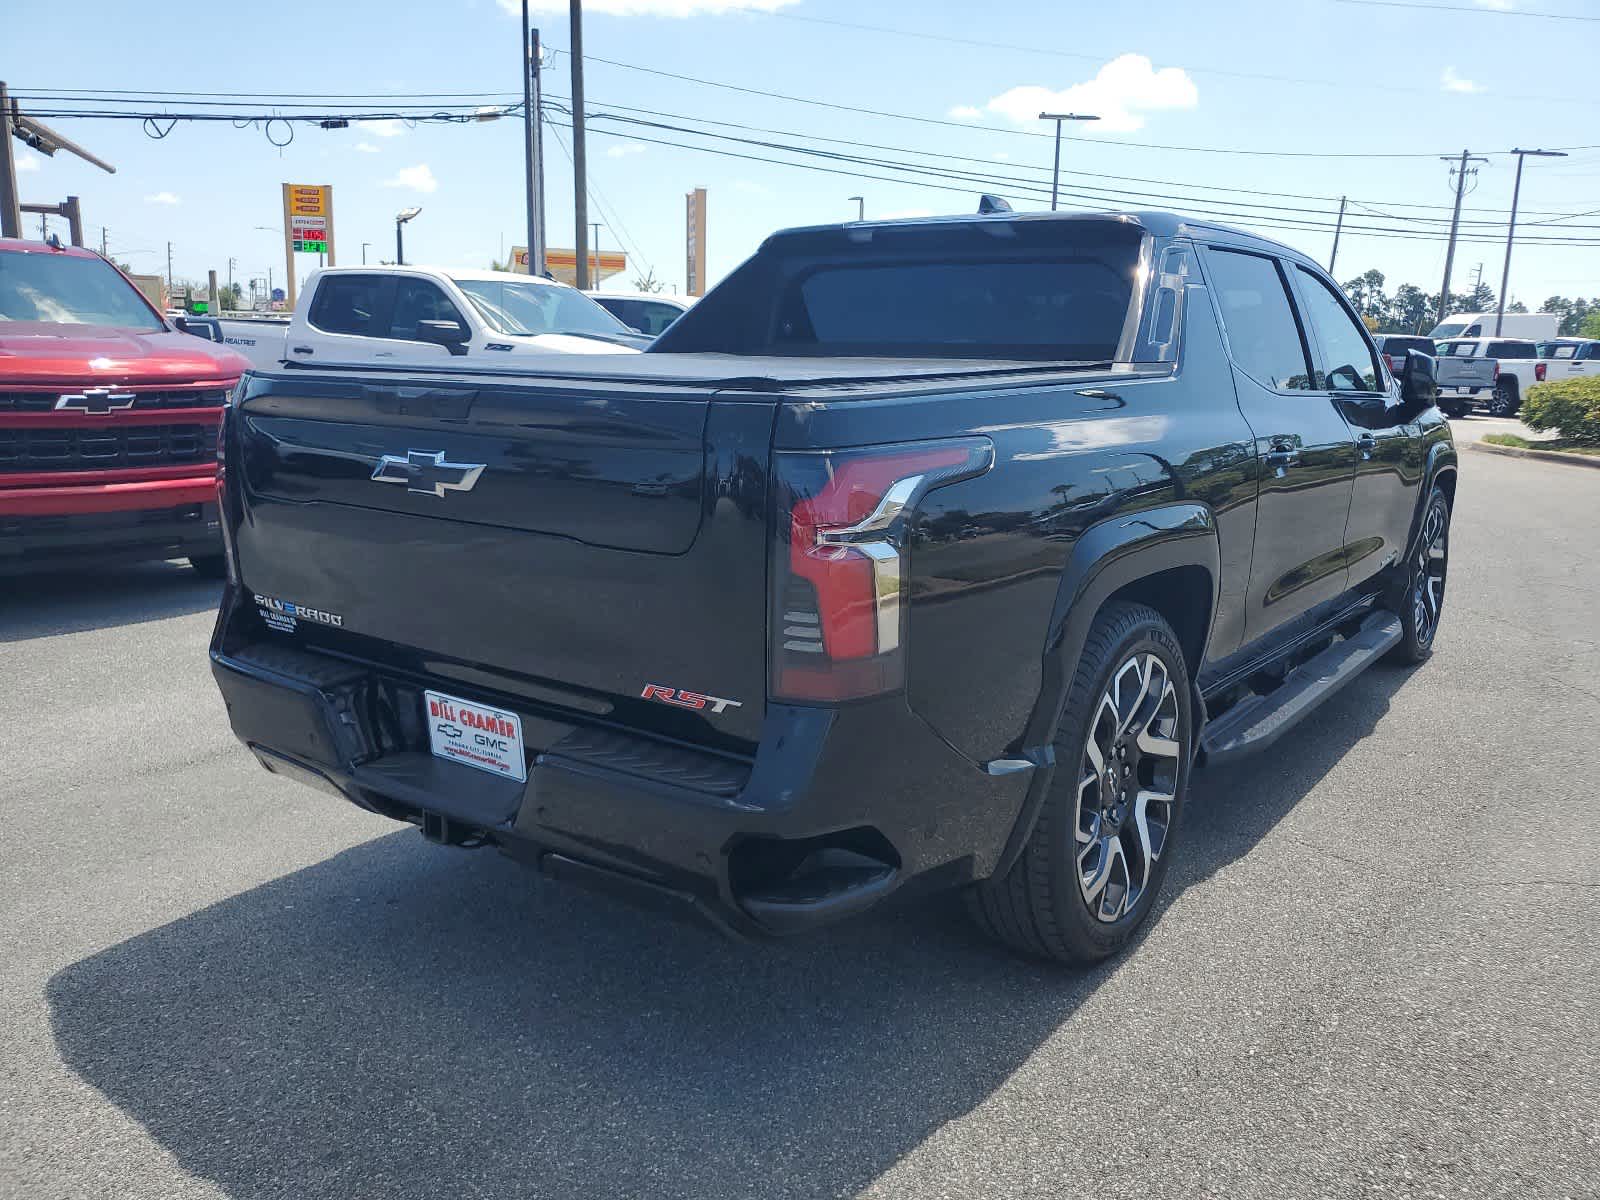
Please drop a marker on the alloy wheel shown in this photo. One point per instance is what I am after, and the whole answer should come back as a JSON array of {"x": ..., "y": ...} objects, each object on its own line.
[
  {"x": 1127, "y": 786},
  {"x": 1428, "y": 572}
]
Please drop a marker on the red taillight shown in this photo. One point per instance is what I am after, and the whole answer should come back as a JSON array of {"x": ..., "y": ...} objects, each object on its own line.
[
  {"x": 837, "y": 617},
  {"x": 1538, "y": 371},
  {"x": 1496, "y": 376},
  {"x": 1388, "y": 361}
]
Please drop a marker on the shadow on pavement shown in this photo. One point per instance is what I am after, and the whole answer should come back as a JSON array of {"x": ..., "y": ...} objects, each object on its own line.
[
  {"x": 36, "y": 606},
  {"x": 403, "y": 1021}
]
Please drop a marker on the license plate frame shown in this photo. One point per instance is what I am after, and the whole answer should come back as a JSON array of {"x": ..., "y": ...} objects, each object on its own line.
[{"x": 476, "y": 735}]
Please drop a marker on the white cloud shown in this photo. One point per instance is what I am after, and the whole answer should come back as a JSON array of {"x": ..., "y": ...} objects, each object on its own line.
[
  {"x": 625, "y": 149},
  {"x": 1120, "y": 94},
  {"x": 966, "y": 112},
  {"x": 163, "y": 198},
  {"x": 414, "y": 179},
  {"x": 650, "y": 8},
  {"x": 1451, "y": 82},
  {"x": 367, "y": 148},
  {"x": 27, "y": 162},
  {"x": 390, "y": 127}
]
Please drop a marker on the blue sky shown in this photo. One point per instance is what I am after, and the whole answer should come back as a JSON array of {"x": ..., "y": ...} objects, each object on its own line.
[{"x": 1323, "y": 76}]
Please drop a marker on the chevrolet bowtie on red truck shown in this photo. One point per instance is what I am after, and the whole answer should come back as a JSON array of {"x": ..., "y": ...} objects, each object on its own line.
[
  {"x": 917, "y": 554},
  {"x": 108, "y": 419}
]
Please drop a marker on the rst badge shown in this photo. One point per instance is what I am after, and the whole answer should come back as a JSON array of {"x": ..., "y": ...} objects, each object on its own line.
[{"x": 680, "y": 698}]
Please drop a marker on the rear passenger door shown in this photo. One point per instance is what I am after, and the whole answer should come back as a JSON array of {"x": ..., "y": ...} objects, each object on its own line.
[
  {"x": 1305, "y": 449},
  {"x": 344, "y": 319},
  {"x": 1388, "y": 467}
]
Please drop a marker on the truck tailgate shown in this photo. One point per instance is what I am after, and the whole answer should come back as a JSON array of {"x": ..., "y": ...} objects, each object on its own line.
[
  {"x": 563, "y": 543},
  {"x": 1473, "y": 373}
]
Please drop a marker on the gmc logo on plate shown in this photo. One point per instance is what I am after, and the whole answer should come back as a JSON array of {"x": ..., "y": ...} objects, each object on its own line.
[{"x": 683, "y": 699}]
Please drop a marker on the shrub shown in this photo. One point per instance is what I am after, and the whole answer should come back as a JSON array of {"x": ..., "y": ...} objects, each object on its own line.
[{"x": 1569, "y": 406}]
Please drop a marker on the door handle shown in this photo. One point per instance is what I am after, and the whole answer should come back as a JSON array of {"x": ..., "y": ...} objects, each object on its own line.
[
  {"x": 300, "y": 349},
  {"x": 1281, "y": 454},
  {"x": 1366, "y": 444}
]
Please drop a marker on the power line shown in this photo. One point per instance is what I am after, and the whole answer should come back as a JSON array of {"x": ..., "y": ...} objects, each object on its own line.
[
  {"x": 935, "y": 121},
  {"x": 1102, "y": 57},
  {"x": 1470, "y": 8},
  {"x": 606, "y": 209}
]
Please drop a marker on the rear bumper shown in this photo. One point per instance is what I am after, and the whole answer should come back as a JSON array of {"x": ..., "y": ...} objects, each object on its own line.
[
  {"x": 181, "y": 523},
  {"x": 838, "y": 809}
]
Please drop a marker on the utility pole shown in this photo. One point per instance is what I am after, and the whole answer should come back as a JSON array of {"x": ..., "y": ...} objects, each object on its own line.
[
  {"x": 1511, "y": 230},
  {"x": 536, "y": 249},
  {"x": 1337, "y": 230},
  {"x": 169, "y": 268},
  {"x": 10, "y": 202},
  {"x": 1455, "y": 227},
  {"x": 532, "y": 167},
  {"x": 102, "y": 241},
  {"x": 595, "y": 281},
  {"x": 580, "y": 161}
]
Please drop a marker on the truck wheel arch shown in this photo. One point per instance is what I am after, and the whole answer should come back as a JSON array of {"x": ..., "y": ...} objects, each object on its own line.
[{"x": 1167, "y": 557}]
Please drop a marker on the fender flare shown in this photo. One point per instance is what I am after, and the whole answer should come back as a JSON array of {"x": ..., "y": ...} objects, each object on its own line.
[
  {"x": 1107, "y": 557},
  {"x": 1443, "y": 460}
]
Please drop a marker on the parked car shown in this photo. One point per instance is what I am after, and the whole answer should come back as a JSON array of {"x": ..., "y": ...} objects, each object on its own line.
[
  {"x": 422, "y": 315},
  {"x": 1517, "y": 368},
  {"x": 1533, "y": 326},
  {"x": 1393, "y": 348},
  {"x": 108, "y": 419},
  {"x": 927, "y": 554},
  {"x": 1570, "y": 358},
  {"x": 648, "y": 312}
]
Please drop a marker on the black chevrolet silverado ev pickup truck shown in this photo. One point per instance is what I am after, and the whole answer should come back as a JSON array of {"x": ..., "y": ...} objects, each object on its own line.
[{"x": 918, "y": 554}]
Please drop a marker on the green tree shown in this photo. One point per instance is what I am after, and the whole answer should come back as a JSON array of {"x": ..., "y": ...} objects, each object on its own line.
[
  {"x": 1366, "y": 293},
  {"x": 1411, "y": 309},
  {"x": 230, "y": 296},
  {"x": 1591, "y": 325},
  {"x": 1517, "y": 306},
  {"x": 648, "y": 282},
  {"x": 1482, "y": 299}
]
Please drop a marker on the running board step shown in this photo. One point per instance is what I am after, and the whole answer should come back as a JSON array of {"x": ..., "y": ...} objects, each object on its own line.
[{"x": 1256, "y": 723}]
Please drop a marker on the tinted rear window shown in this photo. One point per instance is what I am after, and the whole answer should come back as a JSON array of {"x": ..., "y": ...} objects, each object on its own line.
[
  {"x": 1512, "y": 350},
  {"x": 1397, "y": 346},
  {"x": 1070, "y": 308}
]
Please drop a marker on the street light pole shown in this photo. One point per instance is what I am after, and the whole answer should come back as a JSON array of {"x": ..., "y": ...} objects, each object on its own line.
[
  {"x": 1055, "y": 174},
  {"x": 400, "y": 219},
  {"x": 861, "y": 207},
  {"x": 364, "y": 246},
  {"x": 1511, "y": 229},
  {"x": 594, "y": 280}
]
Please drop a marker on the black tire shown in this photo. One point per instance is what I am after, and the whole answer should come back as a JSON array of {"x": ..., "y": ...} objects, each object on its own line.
[
  {"x": 1040, "y": 907},
  {"x": 1455, "y": 408},
  {"x": 1506, "y": 399},
  {"x": 209, "y": 566},
  {"x": 1421, "y": 603}
]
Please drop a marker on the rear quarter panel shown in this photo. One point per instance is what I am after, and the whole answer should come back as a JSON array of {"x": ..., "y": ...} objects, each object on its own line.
[{"x": 987, "y": 555}]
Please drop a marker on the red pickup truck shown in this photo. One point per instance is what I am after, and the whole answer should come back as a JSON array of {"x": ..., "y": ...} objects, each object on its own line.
[{"x": 108, "y": 419}]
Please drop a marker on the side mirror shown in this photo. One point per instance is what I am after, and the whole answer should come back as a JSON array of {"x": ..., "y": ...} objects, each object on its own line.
[
  {"x": 452, "y": 335},
  {"x": 1419, "y": 386}
]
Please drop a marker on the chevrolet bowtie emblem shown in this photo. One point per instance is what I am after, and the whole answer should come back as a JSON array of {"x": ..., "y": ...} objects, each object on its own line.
[
  {"x": 426, "y": 472},
  {"x": 98, "y": 401}
]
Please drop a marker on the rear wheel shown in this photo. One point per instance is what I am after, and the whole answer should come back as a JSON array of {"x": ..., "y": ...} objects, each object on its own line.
[
  {"x": 1455, "y": 408},
  {"x": 1423, "y": 602},
  {"x": 1089, "y": 874},
  {"x": 1506, "y": 401}
]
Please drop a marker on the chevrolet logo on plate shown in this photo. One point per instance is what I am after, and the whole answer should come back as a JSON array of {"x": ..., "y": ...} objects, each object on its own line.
[
  {"x": 426, "y": 472},
  {"x": 98, "y": 401}
]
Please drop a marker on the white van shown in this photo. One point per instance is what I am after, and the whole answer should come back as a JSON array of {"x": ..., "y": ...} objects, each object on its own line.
[{"x": 1535, "y": 327}]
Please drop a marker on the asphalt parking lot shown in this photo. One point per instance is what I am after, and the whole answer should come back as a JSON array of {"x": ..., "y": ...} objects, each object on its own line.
[{"x": 1375, "y": 972}]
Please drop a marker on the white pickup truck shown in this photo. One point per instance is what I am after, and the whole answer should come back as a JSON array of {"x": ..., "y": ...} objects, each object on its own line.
[
  {"x": 1517, "y": 368},
  {"x": 1570, "y": 358},
  {"x": 423, "y": 314}
]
